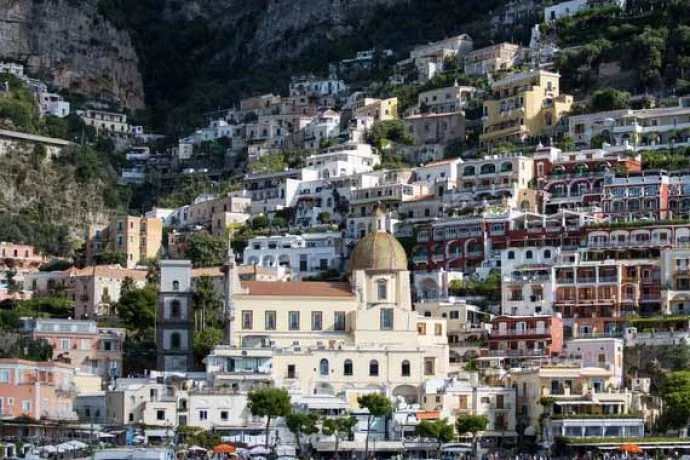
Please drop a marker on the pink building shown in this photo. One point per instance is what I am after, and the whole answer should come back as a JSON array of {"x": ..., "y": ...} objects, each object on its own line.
[
  {"x": 36, "y": 389},
  {"x": 81, "y": 344},
  {"x": 20, "y": 255}
]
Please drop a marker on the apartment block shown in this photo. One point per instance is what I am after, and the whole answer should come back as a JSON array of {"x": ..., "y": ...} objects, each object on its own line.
[{"x": 139, "y": 238}]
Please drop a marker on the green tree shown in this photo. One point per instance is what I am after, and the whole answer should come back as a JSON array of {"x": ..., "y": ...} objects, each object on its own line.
[
  {"x": 270, "y": 403},
  {"x": 378, "y": 406},
  {"x": 206, "y": 250},
  {"x": 387, "y": 130},
  {"x": 609, "y": 99},
  {"x": 301, "y": 424},
  {"x": 440, "y": 431},
  {"x": 676, "y": 395},
  {"x": 472, "y": 424},
  {"x": 325, "y": 217},
  {"x": 340, "y": 428},
  {"x": 260, "y": 222},
  {"x": 208, "y": 308},
  {"x": 153, "y": 273},
  {"x": 127, "y": 285},
  {"x": 137, "y": 308},
  {"x": 567, "y": 144},
  {"x": 279, "y": 222},
  {"x": 204, "y": 340},
  {"x": 111, "y": 258},
  {"x": 14, "y": 287}
]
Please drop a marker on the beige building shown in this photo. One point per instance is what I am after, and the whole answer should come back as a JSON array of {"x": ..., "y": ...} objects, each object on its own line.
[
  {"x": 492, "y": 58},
  {"x": 106, "y": 122},
  {"x": 139, "y": 238},
  {"x": 97, "y": 289},
  {"x": 443, "y": 100},
  {"x": 378, "y": 109},
  {"x": 523, "y": 105},
  {"x": 337, "y": 339},
  {"x": 435, "y": 128}
]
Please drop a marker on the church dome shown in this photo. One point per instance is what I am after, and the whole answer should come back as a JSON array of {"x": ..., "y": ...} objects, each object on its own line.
[{"x": 378, "y": 251}]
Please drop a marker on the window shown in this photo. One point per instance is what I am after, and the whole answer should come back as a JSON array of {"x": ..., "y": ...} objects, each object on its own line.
[
  {"x": 454, "y": 314},
  {"x": 292, "y": 372},
  {"x": 323, "y": 367},
  {"x": 64, "y": 344},
  {"x": 528, "y": 255},
  {"x": 382, "y": 289},
  {"x": 176, "y": 286},
  {"x": 429, "y": 366},
  {"x": 511, "y": 255},
  {"x": 175, "y": 341},
  {"x": 160, "y": 415},
  {"x": 293, "y": 320},
  {"x": 175, "y": 312},
  {"x": 421, "y": 328},
  {"x": 4, "y": 376},
  {"x": 316, "y": 320},
  {"x": 405, "y": 368},
  {"x": 347, "y": 367},
  {"x": 270, "y": 320},
  {"x": 438, "y": 329},
  {"x": 373, "y": 368},
  {"x": 339, "y": 321},
  {"x": 203, "y": 414},
  {"x": 547, "y": 254},
  {"x": 386, "y": 318},
  {"x": 247, "y": 319},
  {"x": 224, "y": 415},
  {"x": 26, "y": 406}
]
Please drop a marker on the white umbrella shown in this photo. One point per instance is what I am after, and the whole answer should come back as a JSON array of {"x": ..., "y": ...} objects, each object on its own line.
[
  {"x": 259, "y": 450},
  {"x": 102, "y": 435},
  {"x": 77, "y": 444},
  {"x": 196, "y": 449},
  {"x": 49, "y": 448}
]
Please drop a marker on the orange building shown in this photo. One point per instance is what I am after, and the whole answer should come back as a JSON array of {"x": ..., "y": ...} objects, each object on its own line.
[{"x": 40, "y": 390}]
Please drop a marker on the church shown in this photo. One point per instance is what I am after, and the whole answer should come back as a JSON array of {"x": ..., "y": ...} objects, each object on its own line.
[{"x": 327, "y": 338}]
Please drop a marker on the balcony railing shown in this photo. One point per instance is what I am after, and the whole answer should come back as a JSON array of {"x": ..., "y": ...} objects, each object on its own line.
[
  {"x": 517, "y": 353},
  {"x": 514, "y": 332}
]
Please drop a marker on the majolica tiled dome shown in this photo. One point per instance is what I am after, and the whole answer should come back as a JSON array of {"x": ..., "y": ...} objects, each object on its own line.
[{"x": 378, "y": 251}]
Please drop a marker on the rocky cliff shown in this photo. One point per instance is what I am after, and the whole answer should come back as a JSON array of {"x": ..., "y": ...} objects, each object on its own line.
[{"x": 71, "y": 45}]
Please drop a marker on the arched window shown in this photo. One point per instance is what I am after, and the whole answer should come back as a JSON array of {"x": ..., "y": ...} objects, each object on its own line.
[
  {"x": 383, "y": 289},
  {"x": 175, "y": 309},
  {"x": 323, "y": 367},
  {"x": 347, "y": 367},
  {"x": 528, "y": 255},
  {"x": 175, "y": 341},
  {"x": 511, "y": 255},
  {"x": 373, "y": 368},
  {"x": 405, "y": 368},
  {"x": 176, "y": 285},
  {"x": 547, "y": 254}
]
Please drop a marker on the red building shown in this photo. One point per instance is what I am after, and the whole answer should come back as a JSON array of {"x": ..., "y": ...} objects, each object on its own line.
[
  {"x": 524, "y": 337},
  {"x": 576, "y": 179}
]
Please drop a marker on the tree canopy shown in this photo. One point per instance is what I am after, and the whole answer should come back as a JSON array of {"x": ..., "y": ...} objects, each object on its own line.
[
  {"x": 137, "y": 308},
  {"x": 206, "y": 250},
  {"x": 269, "y": 403}
]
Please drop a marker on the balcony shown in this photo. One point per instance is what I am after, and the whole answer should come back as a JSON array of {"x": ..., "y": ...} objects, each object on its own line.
[
  {"x": 438, "y": 257},
  {"x": 519, "y": 332},
  {"x": 517, "y": 353},
  {"x": 420, "y": 259},
  {"x": 501, "y": 406}
]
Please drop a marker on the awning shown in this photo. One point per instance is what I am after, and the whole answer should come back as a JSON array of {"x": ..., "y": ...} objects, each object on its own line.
[
  {"x": 428, "y": 415},
  {"x": 568, "y": 403}
]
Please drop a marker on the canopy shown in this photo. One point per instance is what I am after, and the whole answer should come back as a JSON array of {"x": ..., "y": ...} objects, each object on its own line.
[
  {"x": 259, "y": 450},
  {"x": 225, "y": 449},
  {"x": 630, "y": 448},
  {"x": 196, "y": 449}
]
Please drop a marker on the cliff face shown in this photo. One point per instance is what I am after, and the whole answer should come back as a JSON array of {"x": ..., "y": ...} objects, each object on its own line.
[
  {"x": 72, "y": 46},
  {"x": 276, "y": 29}
]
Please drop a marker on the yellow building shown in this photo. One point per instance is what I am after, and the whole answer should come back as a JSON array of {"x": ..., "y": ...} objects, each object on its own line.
[
  {"x": 138, "y": 237},
  {"x": 378, "y": 109},
  {"x": 336, "y": 339},
  {"x": 523, "y": 105}
]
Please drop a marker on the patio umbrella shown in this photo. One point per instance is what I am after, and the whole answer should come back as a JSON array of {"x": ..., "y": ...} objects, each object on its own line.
[
  {"x": 630, "y": 448},
  {"x": 259, "y": 450},
  {"x": 196, "y": 449},
  {"x": 224, "y": 449}
]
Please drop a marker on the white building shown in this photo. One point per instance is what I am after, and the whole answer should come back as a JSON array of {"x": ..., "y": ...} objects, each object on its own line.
[
  {"x": 305, "y": 255},
  {"x": 53, "y": 104},
  {"x": 12, "y": 68},
  {"x": 217, "y": 129},
  {"x": 274, "y": 191},
  {"x": 526, "y": 281},
  {"x": 320, "y": 129},
  {"x": 572, "y": 7},
  {"x": 310, "y": 86},
  {"x": 109, "y": 122},
  {"x": 344, "y": 160},
  {"x": 446, "y": 100},
  {"x": 603, "y": 352}
]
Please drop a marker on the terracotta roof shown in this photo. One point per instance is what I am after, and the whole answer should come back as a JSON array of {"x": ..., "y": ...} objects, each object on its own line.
[
  {"x": 108, "y": 271},
  {"x": 298, "y": 288},
  {"x": 241, "y": 270},
  {"x": 428, "y": 415}
]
